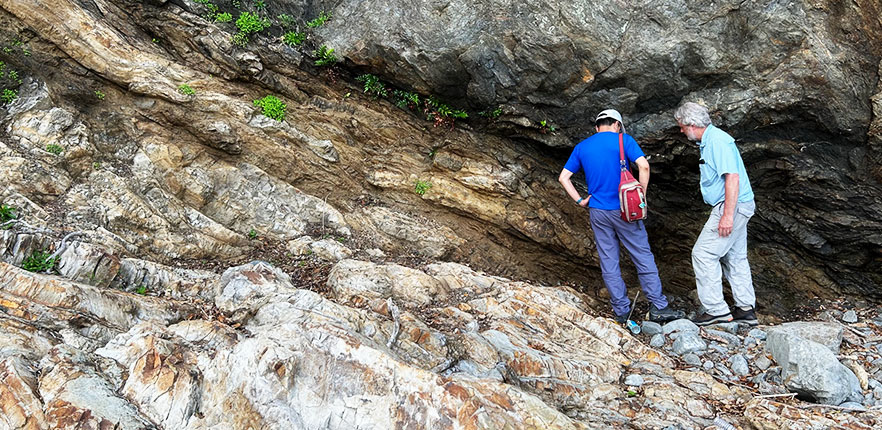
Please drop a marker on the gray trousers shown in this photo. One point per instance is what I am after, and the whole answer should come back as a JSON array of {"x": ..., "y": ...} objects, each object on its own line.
[
  {"x": 610, "y": 230},
  {"x": 714, "y": 256}
]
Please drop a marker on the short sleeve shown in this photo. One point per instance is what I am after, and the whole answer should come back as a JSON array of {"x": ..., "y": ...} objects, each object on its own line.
[
  {"x": 723, "y": 158},
  {"x": 574, "y": 164},
  {"x": 632, "y": 149}
]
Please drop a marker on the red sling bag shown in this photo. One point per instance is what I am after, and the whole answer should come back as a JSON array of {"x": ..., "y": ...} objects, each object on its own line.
[{"x": 632, "y": 197}]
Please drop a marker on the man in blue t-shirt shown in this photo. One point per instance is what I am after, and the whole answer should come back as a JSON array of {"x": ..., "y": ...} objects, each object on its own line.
[
  {"x": 598, "y": 156},
  {"x": 723, "y": 239}
]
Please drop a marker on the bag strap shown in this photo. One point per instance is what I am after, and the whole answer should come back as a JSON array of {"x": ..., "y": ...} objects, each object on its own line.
[{"x": 622, "y": 151}]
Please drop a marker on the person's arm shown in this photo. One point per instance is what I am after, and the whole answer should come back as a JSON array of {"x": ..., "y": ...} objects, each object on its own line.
[
  {"x": 728, "y": 218},
  {"x": 643, "y": 174},
  {"x": 567, "y": 183}
]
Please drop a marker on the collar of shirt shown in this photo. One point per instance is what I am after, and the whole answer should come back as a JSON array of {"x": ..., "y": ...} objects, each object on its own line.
[{"x": 704, "y": 136}]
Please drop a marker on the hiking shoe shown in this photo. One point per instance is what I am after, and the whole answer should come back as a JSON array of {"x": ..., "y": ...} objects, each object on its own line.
[
  {"x": 707, "y": 319},
  {"x": 665, "y": 314},
  {"x": 621, "y": 319},
  {"x": 747, "y": 317}
]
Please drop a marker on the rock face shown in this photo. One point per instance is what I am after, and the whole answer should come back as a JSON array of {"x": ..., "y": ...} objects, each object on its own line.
[{"x": 133, "y": 125}]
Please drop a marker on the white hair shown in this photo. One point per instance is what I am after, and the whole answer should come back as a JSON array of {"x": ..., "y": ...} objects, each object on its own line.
[{"x": 692, "y": 114}]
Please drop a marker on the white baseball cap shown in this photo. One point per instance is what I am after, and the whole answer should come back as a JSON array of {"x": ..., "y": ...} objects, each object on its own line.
[{"x": 610, "y": 113}]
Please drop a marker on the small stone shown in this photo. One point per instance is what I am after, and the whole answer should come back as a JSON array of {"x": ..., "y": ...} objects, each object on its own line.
[
  {"x": 853, "y": 405},
  {"x": 376, "y": 253},
  {"x": 680, "y": 325},
  {"x": 722, "y": 336},
  {"x": 651, "y": 328},
  {"x": 762, "y": 362},
  {"x": 688, "y": 342},
  {"x": 723, "y": 370},
  {"x": 850, "y": 317},
  {"x": 657, "y": 341},
  {"x": 692, "y": 360},
  {"x": 718, "y": 348},
  {"x": 730, "y": 327},
  {"x": 749, "y": 342},
  {"x": 708, "y": 365},
  {"x": 634, "y": 380},
  {"x": 757, "y": 334},
  {"x": 739, "y": 365}
]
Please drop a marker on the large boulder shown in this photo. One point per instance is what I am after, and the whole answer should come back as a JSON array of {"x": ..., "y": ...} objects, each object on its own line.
[
  {"x": 828, "y": 334},
  {"x": 812, "y": 370}
]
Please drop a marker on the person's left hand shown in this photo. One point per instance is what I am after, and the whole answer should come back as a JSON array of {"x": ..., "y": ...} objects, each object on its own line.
[{"x": 726, "y": 223}]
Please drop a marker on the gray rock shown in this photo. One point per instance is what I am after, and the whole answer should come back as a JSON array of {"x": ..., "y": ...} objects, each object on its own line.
[
  {"x": 850, "y": 317},
  {"x": 757, "y": 334},
  {"x": 730, "y": 327},
  {"x": 853, "y": 405},
  {"x": 634, "y": 380},
  {"x": 730, "y": 339},
  {"x": 244, "y": 289},
  {"x": 825, "y": 333},
  {"x": 651, "y": 328},
  {"x": 330, "y": 250},
  {"x": 688, "y": 342},
  {"x": 723, "y": 370},
  {"x": 708, "y": 365},
  {"x": 681, "y": 325},
  {"x": 692, "y": 359},
  {"x": 811, "y": 369},
  {"x": 657, "y": 341},
  {"x": 749, "y": 342},
  {"x": 762, "y": 362},
  {"x": 718, "y": 348},
  {"x": 738, "y": 364}
]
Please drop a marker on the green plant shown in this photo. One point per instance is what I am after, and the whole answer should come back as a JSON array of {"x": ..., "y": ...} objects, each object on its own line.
[
  {"x": 54, "y": 149},
  {"x": 96, "y": 165},
  {"x": 211, "y": 8},
  {"x": 39, "y": 261},
  {"x": 440, "y": 112},
  {"x": 492, "y": 114},
  {"x": 286, "y": 21},
  {"x": 406, "y": 99},
  {"x": 186, "y": 90},
  {"x": 252, "y": 234},
  {"x": 545, "y": 126},
  {"x": 320, "y": 21},
  {"x": 237, "y": 4},
  {"x": 8, "y": 95},
  {"x": 154, "y": 40},
  {"x": 259, "y": 4},
  {"x": 249, "y": 23},
  {"x": 293, "y": 38},
  {"x": 272, "y": 107},
  {"x": 100, "y": 95},
  {"x": 7, "y": 213},
  {"x": 324, "y": 56},
  {"x": 142, "y": 290},
  {"x": 13, "y": 75},
  {"x": 223, "y": 17},
  {"x": 421, "y": 187},
  {"x": 372, "y": 85}
]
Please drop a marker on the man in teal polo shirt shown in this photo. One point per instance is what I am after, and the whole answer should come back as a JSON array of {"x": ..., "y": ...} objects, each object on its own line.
[{"x": 721, "y": 247}]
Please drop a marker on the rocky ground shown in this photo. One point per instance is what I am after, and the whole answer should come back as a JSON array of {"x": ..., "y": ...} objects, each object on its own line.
[
  {"x": 349, "y": 343},
  {"x": 175, "y": 258}
]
